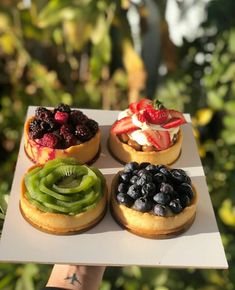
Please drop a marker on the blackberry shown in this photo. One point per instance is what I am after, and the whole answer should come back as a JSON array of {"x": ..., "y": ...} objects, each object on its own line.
[
  {"x": 62, "y": 108},
  {"x": 43, "y": 114},
  {"x": 49, "y": 126},
  {"x": 82, "y": 133},
  {"x": 65, "y": 129},
  {"x": 35, "y": 129},
  {"x": 92, "y": 125},
  {"x": 77, "y": 117},
  {"x": 69, "y": 140}
]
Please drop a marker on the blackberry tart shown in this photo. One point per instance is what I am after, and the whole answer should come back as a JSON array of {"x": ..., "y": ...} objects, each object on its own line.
[
  {"x": 63, "y": 197},
  {"x": 147, "y": 132},
  {"x": 153, "y": 201},
  {"x": 61, "y": 132}
]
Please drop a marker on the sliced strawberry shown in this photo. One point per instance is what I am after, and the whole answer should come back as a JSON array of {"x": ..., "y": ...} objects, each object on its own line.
[
  {"x": 156, "y": 116},
  {"x": 177, "y": 114},
  {"x": 141, "y": 117},
  {"x": 123, "y": 125},
  {"x": 144, "y": 104},
  {"x": 174, "y": 122},
  {"x": 160, "y": 139},
  {"x": 133, "y": 107}
]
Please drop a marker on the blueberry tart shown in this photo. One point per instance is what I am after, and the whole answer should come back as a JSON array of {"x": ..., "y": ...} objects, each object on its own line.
[
  {"x": 63, "y": 197},
  {"x": 61, "y": 132},
  {"x": 153, "y": 201}
]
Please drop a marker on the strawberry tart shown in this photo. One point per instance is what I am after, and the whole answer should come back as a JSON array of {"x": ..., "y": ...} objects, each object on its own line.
[
  {"x": 147, "y": 131},
  {"x": 153, "y": 201},
  {"x": 61, "y": 132}
]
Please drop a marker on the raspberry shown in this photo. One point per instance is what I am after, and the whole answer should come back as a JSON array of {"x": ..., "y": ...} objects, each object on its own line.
[
  {"x": 77, "y": 117},
  {"x": 82, "y": 133},
  {"x": 61, "y": 117},
  {"x": 69, "y": 140},
  {"x": 43, "y": 114},
  {"x": 62, "y": 108},
  {"x": 49, "y": 140},
  {"x": 92, "y": 125}
]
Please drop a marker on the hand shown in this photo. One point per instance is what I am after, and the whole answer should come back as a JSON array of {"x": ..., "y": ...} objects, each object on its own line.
[{"x": 75, "y": 277}]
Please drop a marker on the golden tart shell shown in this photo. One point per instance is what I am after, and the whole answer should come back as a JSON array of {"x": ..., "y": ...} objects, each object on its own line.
[
  {"x": 61, "y": 224},
  {"x": 126, "y": 153},
  {"x": 149, "y": 225},
  {"x": 84, "y": 152}
]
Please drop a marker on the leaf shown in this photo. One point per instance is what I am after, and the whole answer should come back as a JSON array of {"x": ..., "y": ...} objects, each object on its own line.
[
  {"x": 229, "y": 74},
  {"x": 215, "y": 101},
  {"x": 227, "y": 213},
  {"x": 230, "y": 107},
  {"x": 229, "y": 136},
  {"x": 229, "y": 122},
  {"x": 231, "y": 41},
  {"x": 99, "y": 30}
]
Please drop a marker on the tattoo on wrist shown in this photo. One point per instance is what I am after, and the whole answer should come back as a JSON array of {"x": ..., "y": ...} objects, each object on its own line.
[{"x": 73, "y": 279}]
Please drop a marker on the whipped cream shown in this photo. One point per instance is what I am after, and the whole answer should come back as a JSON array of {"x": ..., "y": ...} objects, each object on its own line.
[{"x": 138, "y": 135}]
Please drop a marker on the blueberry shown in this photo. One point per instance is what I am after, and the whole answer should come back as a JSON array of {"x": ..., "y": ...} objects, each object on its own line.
[
  {"x": 131, "y": 166},
  {"x": 165, "y": 171},
  {"x": 186, "y": 189},
  {"x": 159, "y": 178},
  {"x": 175, "y": 206},
  {"x": 166, "y": 188},
  {"x": 144, "y": 164},
  {"x": 125, "y": 199},
  {"x": 141, "y": 172},
  {"x": 144, "y": 179},
  {"x": 184, "y": 200},
  {"x": 178, "y": 176},
  {"x": 134, "y": 191},
  {"x": 134, "y": 179},
  {"x": 143, "y": 204},
  {"x": 151, "y": 168},
  {"x": 162, "y": 198},
  {"x": 160, "y": 210},
  {"x": 125, "y": 177},
  {"x": 148, "y": 189},
  {"x": 122, "y": 187}
]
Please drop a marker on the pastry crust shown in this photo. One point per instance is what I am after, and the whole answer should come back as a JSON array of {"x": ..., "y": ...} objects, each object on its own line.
[
  {"x": 84, "y": 152},
  {"x": 149, "y": 225},
  {"x": 126, "y": 153},
  {"x": 61, "y": 224}
]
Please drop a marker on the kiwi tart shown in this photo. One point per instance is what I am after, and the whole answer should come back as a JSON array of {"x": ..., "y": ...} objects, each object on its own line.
[{"x": 63, "y": 197}]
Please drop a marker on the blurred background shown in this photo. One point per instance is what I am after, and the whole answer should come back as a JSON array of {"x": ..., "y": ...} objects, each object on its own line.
[{"x": 105, "y": 54}]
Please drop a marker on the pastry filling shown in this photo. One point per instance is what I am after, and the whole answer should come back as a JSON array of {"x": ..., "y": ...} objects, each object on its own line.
[
  {"x": 63, "y": 186},
  {"x": 148, "y": 126},
  {"x": 155, "y": 189}
]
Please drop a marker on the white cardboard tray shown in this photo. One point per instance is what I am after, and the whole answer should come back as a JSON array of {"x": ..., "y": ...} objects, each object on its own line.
[{"x": 108, "y": 243}]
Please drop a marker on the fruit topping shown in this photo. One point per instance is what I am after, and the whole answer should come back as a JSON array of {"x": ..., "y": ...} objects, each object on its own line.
[
  {"x": 172, "y": 123},
  {"x": 64, "y": 186},
  {"x": 67, "y": 127},
  {"x": 49, "y": 140},
  {"x": 152, "y": 188},
  {"x": 123, "y": 126},
  {"x": 133, "y": 107},
  {"x": 157, "y": 117},
  {"x": 61, "y": 117},
  {"x": 159, "y": 139},
  {"x": 143, "y": 104}
]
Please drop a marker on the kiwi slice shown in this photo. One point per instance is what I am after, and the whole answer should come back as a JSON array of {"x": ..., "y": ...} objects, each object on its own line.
[{"x": 64, "y": 186}]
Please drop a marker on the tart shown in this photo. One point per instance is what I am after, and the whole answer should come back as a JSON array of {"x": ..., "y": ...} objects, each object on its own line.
[
  {"x": 153, "y": 201},
  {"x": 147, "y": 132},
  {"x": 63, "y": 197},
  {"x": 61, "y": 132}
]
